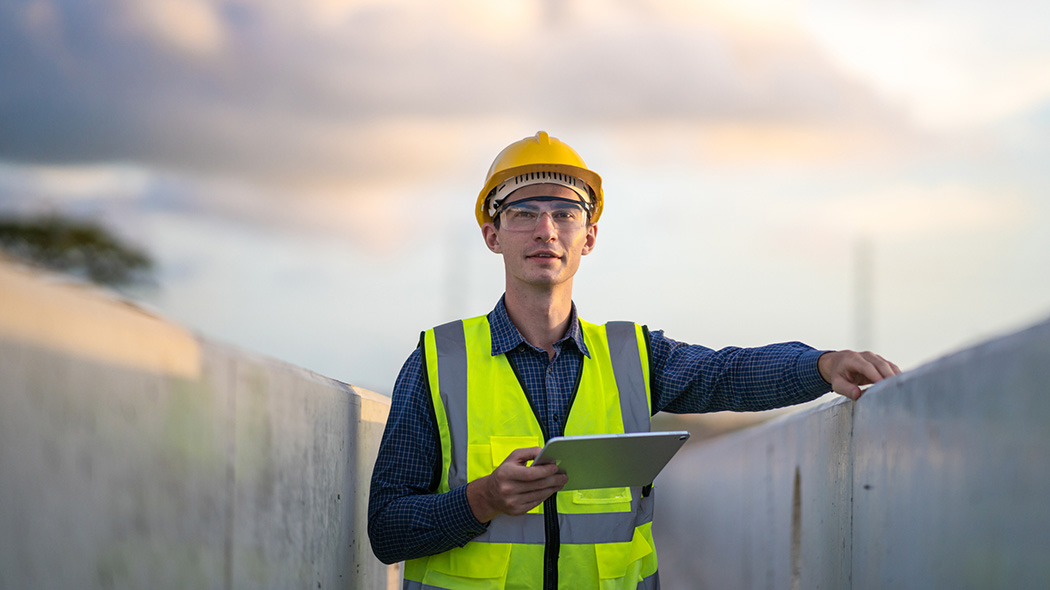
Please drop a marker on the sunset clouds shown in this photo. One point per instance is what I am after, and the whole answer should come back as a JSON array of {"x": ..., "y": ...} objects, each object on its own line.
[{"x": 342, "y": 119}]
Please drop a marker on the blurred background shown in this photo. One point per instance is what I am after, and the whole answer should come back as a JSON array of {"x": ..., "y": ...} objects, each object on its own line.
[{"x": 300, "y": 176}]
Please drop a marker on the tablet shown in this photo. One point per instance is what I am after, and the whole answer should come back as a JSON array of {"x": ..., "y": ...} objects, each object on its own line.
[{"x": 611, "y": 460}]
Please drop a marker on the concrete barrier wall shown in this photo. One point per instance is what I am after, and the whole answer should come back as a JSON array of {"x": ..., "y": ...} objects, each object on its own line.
[
  {"x": 939, "y": 478},
  {"x": 136, "y": 455}
]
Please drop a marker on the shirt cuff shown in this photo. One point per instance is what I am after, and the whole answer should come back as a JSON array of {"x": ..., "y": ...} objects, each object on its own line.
[
  {"x": 458, "y": 519},
  {"x": 809, "y": 374}
]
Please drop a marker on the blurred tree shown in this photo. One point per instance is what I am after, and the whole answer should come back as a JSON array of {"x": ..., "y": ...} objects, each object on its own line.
[{"x": 80, "y": 248}]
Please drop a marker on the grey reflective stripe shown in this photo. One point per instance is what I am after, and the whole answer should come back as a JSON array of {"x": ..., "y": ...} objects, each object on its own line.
[
  {"x": 597, "y": 527},
  {"x": 452, "y": 381},
  {"x": 588, "y": 528},
  {"x": 627, "y": 366},
  {"x": 526, "y": 529},
  {"x": 414, "y": 585},
  {"x": 650, "y": 583}
]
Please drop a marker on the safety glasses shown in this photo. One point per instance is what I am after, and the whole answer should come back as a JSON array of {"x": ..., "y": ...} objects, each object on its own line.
[{"x": 525, "y": 215}]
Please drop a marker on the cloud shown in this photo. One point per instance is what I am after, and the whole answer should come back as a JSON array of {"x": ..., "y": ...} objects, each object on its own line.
[
  {"x": 343, "y": 92},
  {"x": 351, "y": 114}
]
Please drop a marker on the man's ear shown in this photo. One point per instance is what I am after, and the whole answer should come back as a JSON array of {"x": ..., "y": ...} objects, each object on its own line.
[
  {"x": 591, "y": 239},
  {"x": 488, "y": 231}
]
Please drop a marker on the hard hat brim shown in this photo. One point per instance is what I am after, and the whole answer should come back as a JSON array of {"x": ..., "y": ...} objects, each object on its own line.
[{"x": 593, "y": 180}]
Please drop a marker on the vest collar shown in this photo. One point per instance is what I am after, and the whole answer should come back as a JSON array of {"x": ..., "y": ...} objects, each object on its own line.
[{"x": 506, "y": 337}]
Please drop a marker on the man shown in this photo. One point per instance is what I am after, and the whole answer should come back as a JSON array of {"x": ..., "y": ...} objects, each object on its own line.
[{"x": 454, "y": 492}]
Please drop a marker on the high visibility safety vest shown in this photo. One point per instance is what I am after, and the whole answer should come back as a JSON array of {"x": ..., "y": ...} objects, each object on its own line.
[{"x": 575, "y": 540}]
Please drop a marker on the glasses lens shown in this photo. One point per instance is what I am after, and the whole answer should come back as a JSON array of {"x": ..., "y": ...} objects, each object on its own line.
[{"x": 526, "y": 216}]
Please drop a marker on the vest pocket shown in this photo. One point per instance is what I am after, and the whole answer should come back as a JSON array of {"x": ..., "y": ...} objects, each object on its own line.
[
  {"x": 484, "y": 459},
  {"x": 604, "y": 500},
  {"x": 474, "y": 561},
  {"x": 503, "y": 446}
]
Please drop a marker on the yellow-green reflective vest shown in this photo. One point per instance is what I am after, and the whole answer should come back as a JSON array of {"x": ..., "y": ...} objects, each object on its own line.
[{"x": 576, "y": 539}]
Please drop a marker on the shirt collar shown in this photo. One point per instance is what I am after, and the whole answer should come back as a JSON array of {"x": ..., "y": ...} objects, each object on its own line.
[{"x": 506, "y": 337}]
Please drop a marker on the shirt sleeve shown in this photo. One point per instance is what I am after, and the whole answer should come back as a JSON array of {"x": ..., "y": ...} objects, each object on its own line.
[
  {"x": 406, "y": 517},
  {"x": 689, "y": 378}
]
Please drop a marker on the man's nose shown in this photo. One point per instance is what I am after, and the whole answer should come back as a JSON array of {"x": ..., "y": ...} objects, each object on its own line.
[{"x": 545, "y": 227}]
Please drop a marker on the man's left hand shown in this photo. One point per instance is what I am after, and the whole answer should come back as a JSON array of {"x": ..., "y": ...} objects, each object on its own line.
[{"x": 846, "y": 371}]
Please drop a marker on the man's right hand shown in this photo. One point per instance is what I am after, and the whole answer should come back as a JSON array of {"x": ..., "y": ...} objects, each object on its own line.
[
  {"x": 514, "y": 488},
  {"x": 846, "y": 371}
]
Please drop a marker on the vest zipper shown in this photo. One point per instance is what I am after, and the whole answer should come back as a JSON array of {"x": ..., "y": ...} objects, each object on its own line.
[
  {"x": 551, "y": 528},
  {"x": 552, "y": 545}
]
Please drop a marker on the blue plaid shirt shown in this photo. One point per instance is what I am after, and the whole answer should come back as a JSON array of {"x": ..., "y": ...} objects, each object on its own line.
[{"x": 406, "y": 519}]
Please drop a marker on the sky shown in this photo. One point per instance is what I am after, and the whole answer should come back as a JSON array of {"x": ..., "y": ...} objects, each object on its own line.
[{"x": 304, "y": 173}]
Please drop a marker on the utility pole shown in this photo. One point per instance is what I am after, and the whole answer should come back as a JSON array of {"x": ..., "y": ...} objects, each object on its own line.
[{"x": 863, "y": 285}]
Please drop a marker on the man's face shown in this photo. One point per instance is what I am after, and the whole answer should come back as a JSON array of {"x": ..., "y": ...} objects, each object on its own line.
[{"x": 545, "y": 255}]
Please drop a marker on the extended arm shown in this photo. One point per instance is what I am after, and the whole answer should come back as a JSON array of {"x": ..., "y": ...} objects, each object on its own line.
[{"x": 689, "y": 378}]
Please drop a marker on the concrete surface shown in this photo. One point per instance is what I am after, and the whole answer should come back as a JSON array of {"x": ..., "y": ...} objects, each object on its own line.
[
  {"x": 136, "y": 455},
  {"x": 939, "y": 478}
]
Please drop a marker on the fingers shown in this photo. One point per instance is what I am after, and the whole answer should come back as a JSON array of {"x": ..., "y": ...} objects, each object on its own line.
[
  {"x": 516, "y": 465},
  {"x": 519, "y": 487},
  {"x": 846, "y": 371},
  {"x": 522, "y": 455},
  {"x": 521, "y": 503},
  {"x": 883, "y": 366},
  {"x": 518, "y": 478},
  {"x": 861, "y": 370},
  {"x": 522, "y": 479},
  {"x": 846, "y": 388},
  {"x": 514, "y": 487}
]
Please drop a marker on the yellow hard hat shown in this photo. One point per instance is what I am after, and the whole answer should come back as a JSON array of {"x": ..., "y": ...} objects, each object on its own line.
[{"x": 540, "y": 158}]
